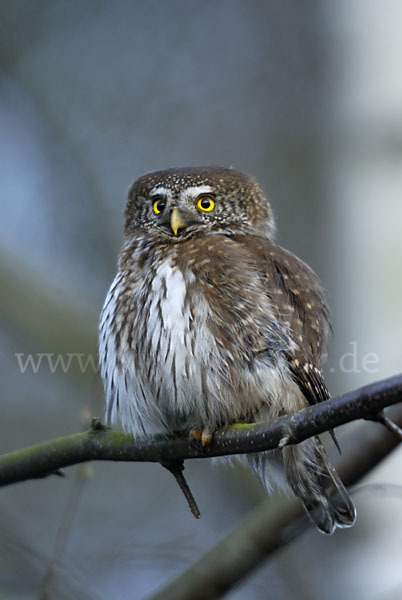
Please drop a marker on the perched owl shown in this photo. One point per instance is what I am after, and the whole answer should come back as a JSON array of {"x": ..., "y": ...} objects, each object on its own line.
[{"x": 209, "y": 322}]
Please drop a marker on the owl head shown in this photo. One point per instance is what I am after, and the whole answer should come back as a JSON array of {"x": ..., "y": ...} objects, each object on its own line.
[{"x": 182, "y": 202}]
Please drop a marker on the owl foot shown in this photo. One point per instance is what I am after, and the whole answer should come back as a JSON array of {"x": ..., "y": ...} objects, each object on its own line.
[{"x": 201, "y": 437}]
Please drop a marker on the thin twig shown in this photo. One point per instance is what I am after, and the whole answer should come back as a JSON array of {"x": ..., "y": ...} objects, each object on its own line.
[
  {"x": 63, "y": 533},
  {"x": 176, "y": 468},
  {"x": 380, "y": 417},
  {"x": 66, "y": 525}
]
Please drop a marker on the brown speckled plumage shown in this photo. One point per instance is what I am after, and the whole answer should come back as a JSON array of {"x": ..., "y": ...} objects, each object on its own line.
[{"x": 208, "y": 322}]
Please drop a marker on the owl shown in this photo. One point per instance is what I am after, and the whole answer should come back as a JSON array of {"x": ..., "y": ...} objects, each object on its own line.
[{"x": 209, "y": 322}]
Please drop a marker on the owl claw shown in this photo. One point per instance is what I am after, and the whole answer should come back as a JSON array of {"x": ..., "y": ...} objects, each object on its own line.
[
  {"x": 206, "y": 437},
  {"x": 194, "y": 434},
  {"x": 201, "y": 437}
]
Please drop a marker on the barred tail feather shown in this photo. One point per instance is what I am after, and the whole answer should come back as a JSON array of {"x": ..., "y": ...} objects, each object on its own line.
[
  {"x": 312, "y": 478},
  {"x": 336, "y": 492},
  {"x": 315, "y": 481}
]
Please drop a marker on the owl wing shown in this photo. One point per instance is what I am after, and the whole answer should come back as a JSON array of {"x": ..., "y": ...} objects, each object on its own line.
[
  {"x": 308, "y": 320},
  {"x": 299, "y": 300}
]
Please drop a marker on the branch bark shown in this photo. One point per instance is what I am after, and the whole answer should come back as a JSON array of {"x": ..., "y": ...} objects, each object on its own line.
[{"x": 100, "y": 443}]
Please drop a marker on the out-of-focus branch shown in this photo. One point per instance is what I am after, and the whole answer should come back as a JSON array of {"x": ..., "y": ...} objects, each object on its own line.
[
  {"x": 100, "y": 443},
  {"x": 47, "y": 322},
  {"x": 265, "y": 530}
]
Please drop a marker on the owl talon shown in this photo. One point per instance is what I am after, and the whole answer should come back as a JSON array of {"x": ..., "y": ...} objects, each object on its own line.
[
  {"x": 200, "y": 437},
  {"x": 195, "y": 434},
  {"x": 206, "y": 437}
]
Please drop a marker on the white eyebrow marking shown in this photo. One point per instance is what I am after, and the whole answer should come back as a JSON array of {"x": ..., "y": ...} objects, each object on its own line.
[
  {"x": 195, "y": 190},
  {"x": 159, "y": 190}
]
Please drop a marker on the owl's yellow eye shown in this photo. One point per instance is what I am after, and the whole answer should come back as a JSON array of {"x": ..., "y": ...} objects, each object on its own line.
[
  {"x": 206, "y": 203},
  {"x": 158, "y": 206}
]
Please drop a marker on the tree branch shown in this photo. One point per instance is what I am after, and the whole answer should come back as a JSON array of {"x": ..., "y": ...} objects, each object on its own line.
[
  {"x": 100, "y": 443},
  {"x": 265, "y": 530}
]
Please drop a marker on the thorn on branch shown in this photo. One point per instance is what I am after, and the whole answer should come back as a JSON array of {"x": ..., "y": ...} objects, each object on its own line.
[
  {"x": 59, "y": 473},
  {"x": 380, "y": 417},
  {"x": 176, "y": 468},
  {"x": 97, "y": 425},
  {"x": 335, "y": 440},
  {"x": 283, "y": 442}
]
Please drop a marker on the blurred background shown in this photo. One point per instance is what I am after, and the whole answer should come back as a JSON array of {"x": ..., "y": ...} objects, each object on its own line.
[{"x": 307, "y": 97}]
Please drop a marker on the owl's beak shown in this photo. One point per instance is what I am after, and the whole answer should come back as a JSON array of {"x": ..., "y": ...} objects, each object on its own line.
[{"x": 176, "y": 220}]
